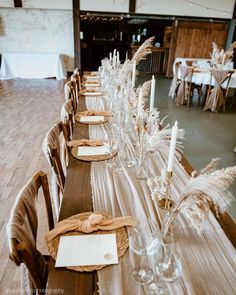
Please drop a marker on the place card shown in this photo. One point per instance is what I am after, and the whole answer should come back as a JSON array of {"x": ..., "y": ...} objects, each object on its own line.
[
  {"x": 93, "y": 151},
  {"x": 88, "y": 249},
  {"x": 92, "y": 119},
  {"x": 92, "y": 84}
]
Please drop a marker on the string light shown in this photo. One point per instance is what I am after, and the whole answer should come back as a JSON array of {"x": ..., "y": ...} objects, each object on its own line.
[{"x": 192, "y": 3}]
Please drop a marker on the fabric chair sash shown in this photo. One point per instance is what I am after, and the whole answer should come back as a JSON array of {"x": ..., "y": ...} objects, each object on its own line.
[
  {"x": 216, "y": 98},
  {"x": 184, "y": 88}
]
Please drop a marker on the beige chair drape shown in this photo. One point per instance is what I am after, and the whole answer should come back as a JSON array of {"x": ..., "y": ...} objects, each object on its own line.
[
  {"x": 175, "y": 81},
  {"x": 22, "y": 235},
  {"x": 184, "y": 90},
  {"x": 216, "y": 98}
]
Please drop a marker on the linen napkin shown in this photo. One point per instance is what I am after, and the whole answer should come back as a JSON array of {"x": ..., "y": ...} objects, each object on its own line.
[
  {"x": 85, "y": 142},
  {"x": 94, "y": 113}
]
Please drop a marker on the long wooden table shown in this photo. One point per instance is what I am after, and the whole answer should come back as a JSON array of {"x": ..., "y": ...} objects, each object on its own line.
[{"x": 78, "y": 198}]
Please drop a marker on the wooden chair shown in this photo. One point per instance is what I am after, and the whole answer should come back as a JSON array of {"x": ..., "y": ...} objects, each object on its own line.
[
  {"x": 175, "y": 81},
  {"x": 184, "y": 89},
  {"x": 56, "y": 152},
  {"x": 70, "y": 93},
  {"x": 77, "y": 79},
  {"x": 68, "y": 116},
  {"x": 216, "y": 96},
  {"x": 22, "y": 234}
]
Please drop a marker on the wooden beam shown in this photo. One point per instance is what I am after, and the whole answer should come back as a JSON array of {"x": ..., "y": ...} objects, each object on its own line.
[
  {"x": 173, "y": 44},
  {"x": 234, "y": 12},
  {"x": 132, "y": 6},
  {"x": 76, "y": 24},
  {"x": 18, "y": 3}
]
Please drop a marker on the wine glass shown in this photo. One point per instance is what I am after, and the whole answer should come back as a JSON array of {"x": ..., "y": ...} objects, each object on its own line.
[
  {"x": 168, "y": 267},
  {"x": 143, "y": 243}
]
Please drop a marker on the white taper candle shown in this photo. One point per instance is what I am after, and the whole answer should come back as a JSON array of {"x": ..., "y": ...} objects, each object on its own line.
[
  {"x": 152, "y": 95},
  {"x": 172, "y": 147},
  {"x": 134, "y": 73},
  {"x": 118, "y": 57}
]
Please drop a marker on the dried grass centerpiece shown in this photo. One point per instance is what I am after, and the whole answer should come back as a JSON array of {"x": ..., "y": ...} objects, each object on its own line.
[
  {"x": 205, "y": 189},
  {"x": 221, "y": 57}
]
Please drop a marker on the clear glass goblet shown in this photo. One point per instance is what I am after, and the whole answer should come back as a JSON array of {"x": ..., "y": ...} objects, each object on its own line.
[{"x": 143, "y": 243}]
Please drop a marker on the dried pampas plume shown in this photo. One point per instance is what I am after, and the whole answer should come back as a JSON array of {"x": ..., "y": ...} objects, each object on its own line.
[
  {"x": 146, "y": 88},
  {"x": 205, "y": 189},
  {"x": 143, "y": 50}
]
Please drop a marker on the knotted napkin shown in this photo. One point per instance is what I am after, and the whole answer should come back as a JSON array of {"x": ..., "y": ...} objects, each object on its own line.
[
  {"x": 94, "y": 113},
  {"x": 93, "y": 223},
  {"x": 85, "y": 142}
]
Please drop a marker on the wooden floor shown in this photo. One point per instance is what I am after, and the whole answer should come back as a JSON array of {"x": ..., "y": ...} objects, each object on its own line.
[{"x": 28, "y": 108}]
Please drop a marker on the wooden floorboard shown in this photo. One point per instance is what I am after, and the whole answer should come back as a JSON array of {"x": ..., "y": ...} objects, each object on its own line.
[{"x": 28, "y": 108}]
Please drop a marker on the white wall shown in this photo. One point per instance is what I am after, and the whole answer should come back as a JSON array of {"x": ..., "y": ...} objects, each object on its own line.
[
  {"x": 199, "y": 8},
  {"x": 34, "y": 30},
  {"x": 105, "y": 5},
  {"x": 42, "y": 4}
]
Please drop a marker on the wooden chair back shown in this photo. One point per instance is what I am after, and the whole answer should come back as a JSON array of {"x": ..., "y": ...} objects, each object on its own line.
[
  {"x": 22, "y": 231},
  {"x": 56, "y": 151},
  {"x": 68, "y": 116},
  {"x": 70, "y": 93}
]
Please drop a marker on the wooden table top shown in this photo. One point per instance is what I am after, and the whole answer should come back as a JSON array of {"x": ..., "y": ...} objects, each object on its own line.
[{"x": 78, "y": 198}]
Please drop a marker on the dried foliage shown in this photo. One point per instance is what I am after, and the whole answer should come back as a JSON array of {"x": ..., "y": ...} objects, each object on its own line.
[
  {"x": 143, "y": 51},
  {"x": 206, "y": 189}
]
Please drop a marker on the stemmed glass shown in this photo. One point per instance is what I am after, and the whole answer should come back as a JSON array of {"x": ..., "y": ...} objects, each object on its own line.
[
  {"x": 143, "y": 243},
  {"x": 168, "y": 267}
]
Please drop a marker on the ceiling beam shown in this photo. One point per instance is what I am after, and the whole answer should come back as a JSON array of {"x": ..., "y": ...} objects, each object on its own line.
[
  {"x": 18, "y": 3},
  {"x": 132, "y": 6}
]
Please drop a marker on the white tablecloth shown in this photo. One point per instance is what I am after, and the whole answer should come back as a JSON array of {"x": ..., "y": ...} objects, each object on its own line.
[
  {"x": 209, "y": 259},
  {"x": 32, "y": 65},
  {"x": 202, "y": 74},
  {"x": 201, "y": 62}
]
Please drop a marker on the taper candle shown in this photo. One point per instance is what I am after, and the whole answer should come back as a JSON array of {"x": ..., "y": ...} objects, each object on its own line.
[
  {"x": 172, "y": 147},
  {"x": 152, "y": 95}
]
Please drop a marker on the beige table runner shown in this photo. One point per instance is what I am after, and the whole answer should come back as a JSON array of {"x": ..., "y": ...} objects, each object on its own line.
[{"x": 209, "y": 260}]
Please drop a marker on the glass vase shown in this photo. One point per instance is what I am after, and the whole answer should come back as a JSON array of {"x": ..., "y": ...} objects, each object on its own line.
[{"x": 168, "y": 262}]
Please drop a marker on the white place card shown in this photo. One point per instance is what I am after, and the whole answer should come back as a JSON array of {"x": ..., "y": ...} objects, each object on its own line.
[
  {"x": 92, "y": 78},
  {"x": 93, "y": 150},
  {"x": 92, "y": 119},
  {"x": 92, "y": 84},
  {"x": 87, "y": 249}
]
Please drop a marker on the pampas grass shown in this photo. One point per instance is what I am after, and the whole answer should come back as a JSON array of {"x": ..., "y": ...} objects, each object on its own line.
[
  {"x": 143, "y": 50},
  {"x": 205, "y": 189}
]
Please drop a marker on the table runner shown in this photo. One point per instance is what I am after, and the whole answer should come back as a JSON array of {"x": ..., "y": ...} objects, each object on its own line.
[{"x": 209, "y": 260}]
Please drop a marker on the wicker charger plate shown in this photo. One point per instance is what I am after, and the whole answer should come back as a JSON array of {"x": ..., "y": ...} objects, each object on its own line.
[
  {"x": 122, "y": 242},
  {"x": 95, "y": 158},
  {"x": 77, "y": 117}
]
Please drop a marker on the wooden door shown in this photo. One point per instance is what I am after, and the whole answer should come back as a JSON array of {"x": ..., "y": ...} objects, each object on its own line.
[{"x": 194, "y": 39}]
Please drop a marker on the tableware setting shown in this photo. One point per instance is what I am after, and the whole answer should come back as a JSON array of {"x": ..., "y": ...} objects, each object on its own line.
[
  {"x": 91, "y": 150},
  {"x": 92, "y": 117},
  {"x": 90, "y": 92},
  {"x": 101, "y": 239}
]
